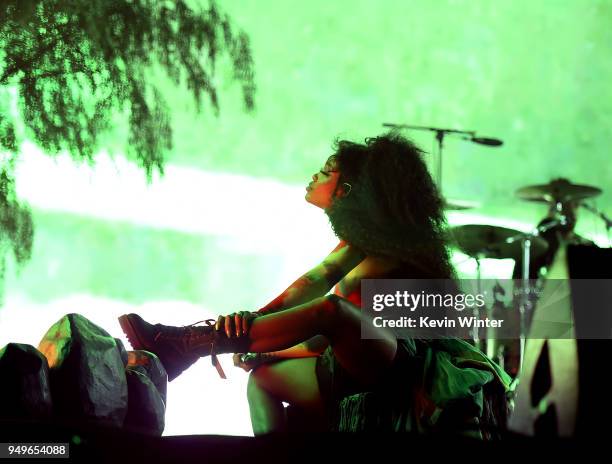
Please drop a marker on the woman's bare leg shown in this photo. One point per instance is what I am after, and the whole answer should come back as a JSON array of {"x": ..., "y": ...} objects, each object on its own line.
[
  {"x": 293, "y": 381},
  {"x": 331, "y": 316},
  {"x": 267, "y": 411},
  {"x": 340, "y": 322}
]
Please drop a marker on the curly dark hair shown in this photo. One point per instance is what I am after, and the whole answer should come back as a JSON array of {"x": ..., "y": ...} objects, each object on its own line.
[{"x": 393, "y": 208}]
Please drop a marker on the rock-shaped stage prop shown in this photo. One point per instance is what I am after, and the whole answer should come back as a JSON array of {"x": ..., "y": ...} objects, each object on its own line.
[
  {"x": 147, "y": 387},
  {"x": 146, "y": 409},
  {"x": 24, "y": 384},
  {"x": 83, "y": 376},
  {"x": 86, "y": 372},
  {"x": 149, "y": 364},
  {"x": 122, "y": 351}
]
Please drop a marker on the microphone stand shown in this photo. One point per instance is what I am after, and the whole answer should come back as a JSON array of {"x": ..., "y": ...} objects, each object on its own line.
[{"x": 440, "y": 134}]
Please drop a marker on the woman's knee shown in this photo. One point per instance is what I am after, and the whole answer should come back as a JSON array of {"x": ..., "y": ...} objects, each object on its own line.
[
  {"x": 254, "y": 382},
  {"x": 341, "y": 318},
  {"x": 293, "y": 381},
  {"x": 266, "y": 378},
  {"x": 251, "y": 384},
  {"x": 255, "y": 388},
  {"x": 335, "y": 310}
]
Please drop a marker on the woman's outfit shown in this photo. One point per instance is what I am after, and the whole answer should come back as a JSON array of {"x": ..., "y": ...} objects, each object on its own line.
[{"x": 432, "y": 385}]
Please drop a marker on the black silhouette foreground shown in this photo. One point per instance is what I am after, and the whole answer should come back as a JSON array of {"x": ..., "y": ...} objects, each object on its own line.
[{"x": 80, "y": 375}]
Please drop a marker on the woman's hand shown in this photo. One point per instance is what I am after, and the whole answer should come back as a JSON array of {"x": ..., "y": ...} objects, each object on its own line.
[
  {"x": 247, "y": 361},
  {"x": 236, "y": 324}
]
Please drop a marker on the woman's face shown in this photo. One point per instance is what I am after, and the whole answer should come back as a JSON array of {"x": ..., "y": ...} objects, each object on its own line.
[{"x": 321, "y": 191}]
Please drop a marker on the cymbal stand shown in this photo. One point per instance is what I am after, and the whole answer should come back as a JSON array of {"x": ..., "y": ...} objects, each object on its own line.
[
  {"x": 525, "y": 305},
  {"x": 607, "y": 221},
  {"x": 475, "y": 335}
]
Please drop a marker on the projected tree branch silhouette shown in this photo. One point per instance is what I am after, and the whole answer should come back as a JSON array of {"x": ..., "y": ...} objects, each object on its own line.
[{"x": 68, "y": 68}]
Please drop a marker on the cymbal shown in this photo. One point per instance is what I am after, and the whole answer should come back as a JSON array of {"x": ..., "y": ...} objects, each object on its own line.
[
  {"x": 485, "y": 241},
  {"x": 459, "y": 205},
  {"x": 557, "y": 190}
]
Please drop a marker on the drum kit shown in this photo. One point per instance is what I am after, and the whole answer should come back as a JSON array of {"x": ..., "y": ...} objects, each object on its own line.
[
  {"x": 486, "y": 241},
  {"x": 482, "y": 241}
]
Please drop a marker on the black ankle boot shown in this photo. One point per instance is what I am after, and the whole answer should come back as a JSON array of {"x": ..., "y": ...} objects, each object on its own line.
[{"x": 179, "y": 347}]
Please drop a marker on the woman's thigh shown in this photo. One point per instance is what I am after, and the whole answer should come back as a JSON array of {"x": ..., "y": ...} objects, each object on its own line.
[
  {"x": 364, "y": 351},
  {"x": 292, "y": 380}
]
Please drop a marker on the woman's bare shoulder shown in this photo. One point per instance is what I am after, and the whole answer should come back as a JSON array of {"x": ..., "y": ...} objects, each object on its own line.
[
  {"x": 369, "y": 268},
  {"x": 345, "y": 256}
]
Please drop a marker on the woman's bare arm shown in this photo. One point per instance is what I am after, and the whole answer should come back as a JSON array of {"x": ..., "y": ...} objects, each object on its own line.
[
  {"x": 319, "y": 280},
  {"x": 312, "y": 285},
  {"x": 315, "y": 283}
]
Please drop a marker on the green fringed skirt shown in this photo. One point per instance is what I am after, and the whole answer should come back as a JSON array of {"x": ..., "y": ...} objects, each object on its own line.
[{"x": 430, "y": 383}]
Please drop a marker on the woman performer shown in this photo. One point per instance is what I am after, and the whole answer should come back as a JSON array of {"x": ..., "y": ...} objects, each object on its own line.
[{"x": 305, "y": 347}]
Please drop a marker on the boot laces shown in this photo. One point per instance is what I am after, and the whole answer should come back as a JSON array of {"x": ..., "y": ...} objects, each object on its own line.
[
  {"x": 186, "y": 333},
  {"x": 189, "y": 331}
]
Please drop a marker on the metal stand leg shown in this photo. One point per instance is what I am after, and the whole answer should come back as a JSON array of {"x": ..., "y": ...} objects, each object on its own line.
[
  {"x": 475, "y": 332},
  {"x": 525, "y": 306}
]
